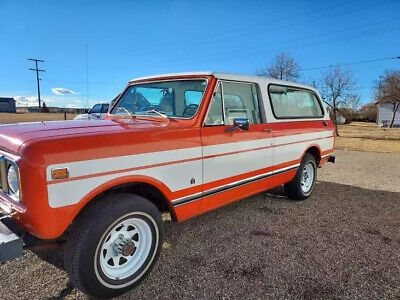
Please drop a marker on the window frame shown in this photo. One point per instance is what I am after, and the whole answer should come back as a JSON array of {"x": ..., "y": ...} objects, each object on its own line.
[
  {"x": 300, "y": 89},
  {"x": 221, "y": 82},
  {"x": 210, "y": 103}
]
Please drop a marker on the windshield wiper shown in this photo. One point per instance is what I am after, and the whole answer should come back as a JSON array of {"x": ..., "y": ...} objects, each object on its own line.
[
  {"x": 127, "y": 111},
  {"x": 160, "y": 113}
]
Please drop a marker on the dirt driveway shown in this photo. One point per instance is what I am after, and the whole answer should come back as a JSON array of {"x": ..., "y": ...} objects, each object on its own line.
[{"x": 341, "y": 243}]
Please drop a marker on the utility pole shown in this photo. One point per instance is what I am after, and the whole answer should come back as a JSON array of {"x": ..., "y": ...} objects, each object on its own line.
[{"x": 37, "y": 77}]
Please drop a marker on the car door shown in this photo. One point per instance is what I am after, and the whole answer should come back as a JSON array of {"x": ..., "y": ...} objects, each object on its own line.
[
  {"x": 95, "y": 112},
  {"x": 104, "y": 110},
  {"x": 236, "y": 162}
]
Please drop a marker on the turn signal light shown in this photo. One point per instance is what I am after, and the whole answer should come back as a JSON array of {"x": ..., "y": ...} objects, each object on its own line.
[{"x": 61, "y": 173}]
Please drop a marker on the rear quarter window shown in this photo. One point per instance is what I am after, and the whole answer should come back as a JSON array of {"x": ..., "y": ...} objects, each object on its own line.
[{"x": 294, "y": 103}]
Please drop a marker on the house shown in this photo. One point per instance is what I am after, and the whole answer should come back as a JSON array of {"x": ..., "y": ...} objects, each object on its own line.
[
  {"x": 385, "y": 114},
  {"x": 7, "y": 105}
]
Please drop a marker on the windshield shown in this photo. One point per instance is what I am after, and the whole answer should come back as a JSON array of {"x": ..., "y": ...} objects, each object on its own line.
[{"x": 179, "y": 98}]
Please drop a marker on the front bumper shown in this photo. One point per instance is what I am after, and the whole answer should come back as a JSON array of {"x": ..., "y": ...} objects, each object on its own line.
[
  {"x": 10, "y": 243},
  {"x": 9, "y": 205}
]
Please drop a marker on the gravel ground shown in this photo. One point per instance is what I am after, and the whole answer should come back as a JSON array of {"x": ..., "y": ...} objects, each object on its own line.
[{"x": 341, "y": 243}]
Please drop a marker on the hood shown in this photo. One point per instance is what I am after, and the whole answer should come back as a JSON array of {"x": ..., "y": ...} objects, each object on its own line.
[{"x": 12, "y": 136}]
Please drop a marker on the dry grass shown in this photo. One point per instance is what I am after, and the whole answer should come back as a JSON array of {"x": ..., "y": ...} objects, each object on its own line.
[
  {"x": 6, "y": 118},
  {"x": 368, "y": 137}
]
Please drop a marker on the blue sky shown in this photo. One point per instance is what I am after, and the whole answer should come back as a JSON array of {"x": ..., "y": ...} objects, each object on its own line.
[{"x": 127, "y": 39}]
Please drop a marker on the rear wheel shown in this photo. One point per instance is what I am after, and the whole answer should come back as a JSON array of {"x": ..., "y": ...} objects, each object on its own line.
[
  {"x": 302, "y": 185},
  {"x": 113, "y": 245}
]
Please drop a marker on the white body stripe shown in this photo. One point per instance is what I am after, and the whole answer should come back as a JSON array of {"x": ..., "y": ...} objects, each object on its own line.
[
  {"x": 238, "y": 146},
  {"x": 101, "y": 165},
  {"x": 291, "y": 152},
  {"x": 221, "y": 167},
  {"x": 177, "y": 176}
]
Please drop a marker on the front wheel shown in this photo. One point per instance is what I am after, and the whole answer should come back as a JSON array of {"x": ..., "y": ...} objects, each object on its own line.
[
  {"x": 302, "y": 185},
  {"x": 113, "y": 245}
]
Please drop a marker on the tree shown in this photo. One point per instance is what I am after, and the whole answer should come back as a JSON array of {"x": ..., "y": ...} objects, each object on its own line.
[
  {"x": 389, "y": 92},
  {"x": 369, "y": 112},
  {"x": 283, "y": 67},
  {"x": 337, "y": 90},
  {"x": 45, "y": 109}
]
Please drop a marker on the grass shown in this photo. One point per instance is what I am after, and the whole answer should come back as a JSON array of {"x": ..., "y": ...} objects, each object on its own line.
[
  {"x": 368, "y": 137},
  {"x": 6, "y": 118}
]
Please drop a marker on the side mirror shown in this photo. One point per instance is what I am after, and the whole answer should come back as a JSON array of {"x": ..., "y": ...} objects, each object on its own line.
[
  {"x": 87, "y": 111},
  {"x": 243, "y": 124}
]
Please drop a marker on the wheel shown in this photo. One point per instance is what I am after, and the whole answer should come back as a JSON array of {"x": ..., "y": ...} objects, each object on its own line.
[
  {"x": 113, "y": 245},
  {"x": 302, "y": 185}
]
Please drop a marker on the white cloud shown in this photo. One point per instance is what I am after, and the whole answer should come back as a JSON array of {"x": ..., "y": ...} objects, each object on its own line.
[{"x": 62, "y": 91}]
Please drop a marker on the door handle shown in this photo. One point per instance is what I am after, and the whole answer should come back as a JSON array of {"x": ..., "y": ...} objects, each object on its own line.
[
  {"x": 325, "y": 123},
  {"x": 269, "y": 130}
]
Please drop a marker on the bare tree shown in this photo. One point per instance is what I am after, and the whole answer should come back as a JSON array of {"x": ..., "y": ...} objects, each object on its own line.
[
  {"x": 283, "y": 67},
  {"x": 369, "y": 112},
  {"x": 389, "y": 92},
  {"x": 337, "y": 90}
]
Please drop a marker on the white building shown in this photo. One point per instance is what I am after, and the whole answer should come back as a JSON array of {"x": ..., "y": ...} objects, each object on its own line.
[{"x": 385, "y": 113}]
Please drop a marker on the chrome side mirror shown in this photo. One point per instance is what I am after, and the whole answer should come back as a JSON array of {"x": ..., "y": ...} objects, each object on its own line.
[{"x": 242, "y": 123}]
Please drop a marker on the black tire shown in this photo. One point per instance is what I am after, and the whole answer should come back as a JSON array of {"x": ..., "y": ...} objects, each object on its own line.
[
  {"x": 91, "y": 229},
  {"x": 294, "y": 188}
]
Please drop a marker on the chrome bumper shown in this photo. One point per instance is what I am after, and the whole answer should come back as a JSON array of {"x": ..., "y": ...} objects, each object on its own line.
[
  {"x": 10, "y": 243},
  {"x": 9, "y": 205}
]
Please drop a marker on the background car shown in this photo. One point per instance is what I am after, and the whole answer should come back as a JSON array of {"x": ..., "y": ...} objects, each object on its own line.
[{"x": 98, "y": 111}]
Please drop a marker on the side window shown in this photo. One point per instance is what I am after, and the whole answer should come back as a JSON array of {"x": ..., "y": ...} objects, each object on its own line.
[
  {"x": 96, "y": 109},
  {"x": 289, "y": 102},
  {"x": 241, "y": 101},
  {"x": 104, "y": 109},
  {"x": 215, "y": 114}
]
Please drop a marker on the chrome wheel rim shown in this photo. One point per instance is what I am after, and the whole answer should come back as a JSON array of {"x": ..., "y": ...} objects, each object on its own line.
[
  {"x": 125, "y": 248},
  {"x": 307, "y": 177}
]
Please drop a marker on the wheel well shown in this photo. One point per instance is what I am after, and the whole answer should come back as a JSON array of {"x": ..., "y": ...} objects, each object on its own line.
[
  {"x": 145, "y": 190},
  {"x": 315, "y": 152}
]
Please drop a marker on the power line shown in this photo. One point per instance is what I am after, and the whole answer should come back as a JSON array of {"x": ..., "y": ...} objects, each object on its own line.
[
  {"x": 87, "y": 76},
  {"x": 243, "y": 31},
  {"x": 261, "y": 49},
  {"x": 352, "y": 63},
  {"x": 37, "y": 70}
]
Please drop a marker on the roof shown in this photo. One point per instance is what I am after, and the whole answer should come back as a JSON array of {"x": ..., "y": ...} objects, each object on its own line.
[
  {"x": 5, "y": 99},
  {"x": 228, "y": 76}
]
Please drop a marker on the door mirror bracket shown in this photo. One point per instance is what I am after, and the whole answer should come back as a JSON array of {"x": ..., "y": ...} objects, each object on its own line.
[{"x": 241, "y": 123}]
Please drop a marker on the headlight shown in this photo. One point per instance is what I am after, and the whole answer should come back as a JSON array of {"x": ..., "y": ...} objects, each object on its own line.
[{"x": 13, "y": 179}]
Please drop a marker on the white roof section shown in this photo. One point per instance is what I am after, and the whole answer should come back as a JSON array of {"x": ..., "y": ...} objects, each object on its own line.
[{"x": 229, "y": 76}]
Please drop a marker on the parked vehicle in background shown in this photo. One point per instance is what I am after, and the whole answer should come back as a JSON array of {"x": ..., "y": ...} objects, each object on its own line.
[
  {"x": 98, "y": 111},
  {"x": 179, "y": 143}
]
